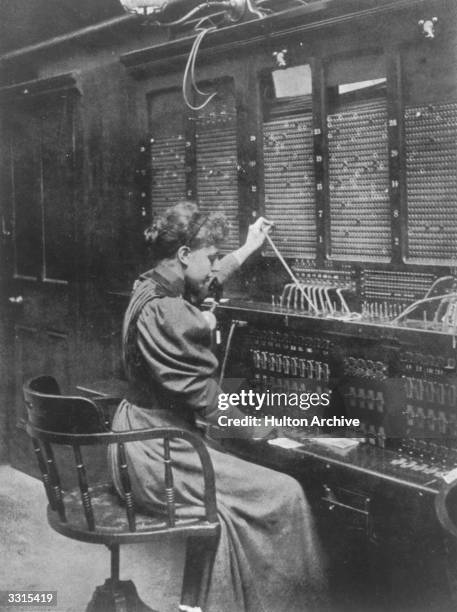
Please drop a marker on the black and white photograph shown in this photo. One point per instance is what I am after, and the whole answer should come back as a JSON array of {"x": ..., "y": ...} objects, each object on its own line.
[{"x": 228, "y": 305}]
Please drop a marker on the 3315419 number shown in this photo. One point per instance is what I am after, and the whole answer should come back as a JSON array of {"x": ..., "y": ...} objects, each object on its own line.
[{"x": 28, "y": 598}]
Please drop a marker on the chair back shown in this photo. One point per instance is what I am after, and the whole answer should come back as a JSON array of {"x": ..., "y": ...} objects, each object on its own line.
[
  {"x": 48, "y": 410},
  {"x": 77, "y": 422}
]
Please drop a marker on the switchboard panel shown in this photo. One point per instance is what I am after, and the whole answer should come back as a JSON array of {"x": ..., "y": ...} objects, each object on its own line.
[
  {"x": 359, "y": 181},
  {"x": 167, "y": 149},
  {"x": 431, "y": 178},
  {"x": 289, "y": 182},
  {"x": 217, "y": 158}
]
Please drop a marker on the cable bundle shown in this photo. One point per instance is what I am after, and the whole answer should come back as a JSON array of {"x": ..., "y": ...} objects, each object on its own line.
[{"x": 189, "y": 81}]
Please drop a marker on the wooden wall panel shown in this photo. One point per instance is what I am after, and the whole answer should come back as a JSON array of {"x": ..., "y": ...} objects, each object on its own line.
[
  {"x": 57, "y": 178},
  {"x": 28, "y": 362},
  {"x": 26, "y": 195}
]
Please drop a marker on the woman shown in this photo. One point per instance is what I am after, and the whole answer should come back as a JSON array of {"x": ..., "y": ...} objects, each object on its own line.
[{"x": 267, "y": 558}]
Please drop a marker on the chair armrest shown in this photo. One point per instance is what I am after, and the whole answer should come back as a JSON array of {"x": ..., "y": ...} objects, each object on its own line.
[
  {"x": 169, "y": 433},
  {"x": 124, "y": 437},
  {"x": 107, "y": 407}
]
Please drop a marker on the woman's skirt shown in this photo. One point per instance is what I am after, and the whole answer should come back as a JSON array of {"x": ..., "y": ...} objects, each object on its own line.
[{"x": 268, "y": 557}]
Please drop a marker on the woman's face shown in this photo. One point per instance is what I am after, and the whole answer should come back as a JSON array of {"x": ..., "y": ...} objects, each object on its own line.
[{"x": 200, "y": 266}]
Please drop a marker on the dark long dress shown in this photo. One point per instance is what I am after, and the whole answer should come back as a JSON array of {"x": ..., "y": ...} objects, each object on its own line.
[{"x": 268, "y": 558}]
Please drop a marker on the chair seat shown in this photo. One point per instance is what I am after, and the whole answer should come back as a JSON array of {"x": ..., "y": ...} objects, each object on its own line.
[{"x": 111, "y": 525}]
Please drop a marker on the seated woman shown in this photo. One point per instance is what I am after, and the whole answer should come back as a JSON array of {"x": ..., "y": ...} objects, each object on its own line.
[{"x": 268, "y": 559}]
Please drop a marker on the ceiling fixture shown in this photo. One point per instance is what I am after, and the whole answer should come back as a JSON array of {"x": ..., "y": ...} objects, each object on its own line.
[
  {"x": 156, "y": 11},
  {"x": 212, "y": 13}
]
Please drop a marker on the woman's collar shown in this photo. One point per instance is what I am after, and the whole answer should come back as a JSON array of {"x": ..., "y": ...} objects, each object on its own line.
[{"x": 167, "y": 278}]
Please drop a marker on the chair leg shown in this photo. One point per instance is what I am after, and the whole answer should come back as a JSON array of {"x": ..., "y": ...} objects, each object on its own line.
[
  {"x": 200, "y": 554},
  {"x": 115, "y": 562},
  {"x": 116, "y": 595},
  {"x": 119, "y": 597}
]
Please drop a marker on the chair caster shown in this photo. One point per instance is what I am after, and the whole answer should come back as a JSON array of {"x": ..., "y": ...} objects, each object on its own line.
[{"x": 118, "y": 596}]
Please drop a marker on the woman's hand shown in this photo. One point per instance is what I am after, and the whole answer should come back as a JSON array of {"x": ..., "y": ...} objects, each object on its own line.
[
  {"x": 256, "y": 236},
  {"x": 257, "y": 233},
  {"x": 210, "y": 319}
]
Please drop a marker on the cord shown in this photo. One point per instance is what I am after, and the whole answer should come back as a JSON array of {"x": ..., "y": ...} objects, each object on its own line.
[
  {"x": 191, "y": 60},
  {"x": 187, "y": 16},
  {"x": 194, "y": 57},
  {"x": 190, "y": 69},
  {"x": 414, "y": 305},
  {"x": 437, "y": 282},
  {"x": 227, "y": 351},
  {"x": 254, "y": 10},
  {"x": 290, "y": 273}
]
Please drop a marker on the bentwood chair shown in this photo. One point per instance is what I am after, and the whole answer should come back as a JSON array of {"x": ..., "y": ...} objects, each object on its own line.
[{"x": 94, "y": 513}]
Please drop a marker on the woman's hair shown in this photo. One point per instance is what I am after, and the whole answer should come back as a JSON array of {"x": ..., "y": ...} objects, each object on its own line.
[{"x": 184, "y": 225}]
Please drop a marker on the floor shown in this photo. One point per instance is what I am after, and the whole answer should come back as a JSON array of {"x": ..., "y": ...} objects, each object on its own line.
[
  {"x": 38, "y": 558},
  {"x": 33, "y": 556}
]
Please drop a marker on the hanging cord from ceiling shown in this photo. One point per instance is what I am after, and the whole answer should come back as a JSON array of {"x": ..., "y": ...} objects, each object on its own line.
[{"x": 189, "y": 83}]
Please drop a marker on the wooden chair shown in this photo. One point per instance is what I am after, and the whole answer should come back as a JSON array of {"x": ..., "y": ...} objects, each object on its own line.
[{"x": 94, "y": 512}]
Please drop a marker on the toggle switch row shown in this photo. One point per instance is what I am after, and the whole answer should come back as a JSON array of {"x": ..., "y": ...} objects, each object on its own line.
[
  {"x": 290, "y": 366},
  {"x": 289, "y": 385},
  {"x": 365, "y": 399},
  {"x": 381, "y": 310},
  {"x": 430, "y": 456},
  {"x": 430, "y": 420},
  {"x": 430, "y": 391},
  {"x": 376, "y": 436},
  {"x": 365, "y": 368}
]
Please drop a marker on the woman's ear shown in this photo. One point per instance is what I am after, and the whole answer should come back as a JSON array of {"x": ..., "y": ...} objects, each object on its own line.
[{"x": 183, "y": 255}]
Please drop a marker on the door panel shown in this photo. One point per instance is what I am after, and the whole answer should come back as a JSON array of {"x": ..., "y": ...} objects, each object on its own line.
[
  {"x": 26, "y": 214},
  {"x": 57, "y": 159},
  {"x": 42, "y": 304}
]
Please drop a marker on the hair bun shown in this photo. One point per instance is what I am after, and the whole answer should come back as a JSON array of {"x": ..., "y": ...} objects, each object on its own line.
[{"x": 183, "y": 225}]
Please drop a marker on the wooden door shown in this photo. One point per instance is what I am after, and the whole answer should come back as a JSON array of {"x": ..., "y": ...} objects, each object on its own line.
[{"x": 39, "y": 231}]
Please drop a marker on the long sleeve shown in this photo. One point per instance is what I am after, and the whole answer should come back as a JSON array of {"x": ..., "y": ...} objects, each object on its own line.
[
  {"x": 174, "y": 340},
  {"x": 227, "y": 266}
]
